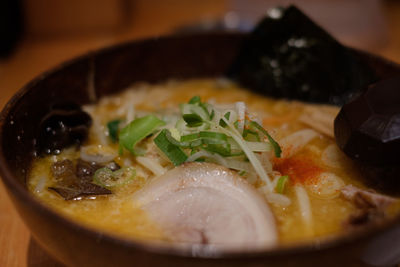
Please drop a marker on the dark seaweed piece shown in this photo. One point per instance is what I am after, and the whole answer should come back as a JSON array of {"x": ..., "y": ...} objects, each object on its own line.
[
  {"x": 288, "y": 55},
  {"x": 72, "y": 182},
  {"x": 87, "y": 189},
  {"x": 368, "y": 130},
  {"x": 64, "y": 173},
  {"x": 63, "y": 126},
  {"x": 85, "y": 170}
]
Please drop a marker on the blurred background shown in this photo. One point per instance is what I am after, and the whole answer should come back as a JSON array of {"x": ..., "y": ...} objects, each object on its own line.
[{"x": 39, "y": 34}]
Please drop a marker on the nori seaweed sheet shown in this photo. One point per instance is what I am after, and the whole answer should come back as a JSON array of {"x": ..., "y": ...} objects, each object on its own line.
[{"x": 292, "y": 57}]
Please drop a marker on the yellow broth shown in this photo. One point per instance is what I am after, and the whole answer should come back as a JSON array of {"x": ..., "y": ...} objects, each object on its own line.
[{"x": 117, "y": 214}]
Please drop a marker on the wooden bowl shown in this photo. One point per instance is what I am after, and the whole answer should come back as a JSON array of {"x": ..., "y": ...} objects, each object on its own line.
[{"x": 85, "y": 79}]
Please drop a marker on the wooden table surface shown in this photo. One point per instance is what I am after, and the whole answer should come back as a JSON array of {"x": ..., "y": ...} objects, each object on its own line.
[{"x": 34, "y": 56}]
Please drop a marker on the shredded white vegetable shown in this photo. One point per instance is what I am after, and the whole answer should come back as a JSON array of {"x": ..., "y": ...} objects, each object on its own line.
[
  {"x": 130, "y": 115},
  {"x": 278, "y": 199},
  {"x": 259, "y": 146},
  {"x": 264, "y": 159},
  {"x": 151, "y": 165},
  {"x": 241, "y": 111},
  {"x": 250, "y": 154},
  {"x": 304, "y": 205},
  {"x": 97, "y": 153},
  {"x": 276, "y": 175},
  {"x": 227, "y": 162}
]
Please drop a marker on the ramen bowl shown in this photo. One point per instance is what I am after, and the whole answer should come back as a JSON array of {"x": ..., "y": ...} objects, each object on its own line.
[{"x": 107, "y": 71}]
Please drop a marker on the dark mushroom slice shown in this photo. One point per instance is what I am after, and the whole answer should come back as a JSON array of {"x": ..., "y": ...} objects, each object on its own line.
[
  {"x": 367, "y": 129},
  {"x": 63, "y": 126},
  {"x": 81, "y": 190},
  {"x": 288, "y": 55},
  {"x": 75, "y": 181}
]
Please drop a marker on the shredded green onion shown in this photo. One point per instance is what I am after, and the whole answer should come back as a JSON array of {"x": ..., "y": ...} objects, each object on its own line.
[
  {"x": 250, "y": 154},
  {"x": 174, "y": 153},
  {"x": 113, "y": 127},
  {"x": 195, "y": 100},
  {"x": 250, "y": 135},
  {"x": 222, "y": 122},
  {"x": 275, "y": 145},
  {"x": 189, "y": 137},
  {"x": 206, "y": 134},
  {"x": 282, "y": 181},
  {"x": 137, "y": 130},
  {"x": 213, "y": 135},
  {"x": 192, "y": 120},
  {"x": 195, "y": 109}
]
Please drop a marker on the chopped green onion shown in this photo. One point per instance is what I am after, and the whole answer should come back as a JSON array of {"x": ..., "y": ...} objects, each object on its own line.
[
  {"x": 113, "y": 129},
  {"x": 137, "y": 130},
  {"x": 204, "y": 106},
  {"x": 172, "y": 140},
  {"x": 109, "y": 179},
  {"x": 249, "y": 154},
  {"x": 275, "y": 145},
  {"x": 213, "y": 141},
  {"x": 195, "y": 100},
  {"x": 195, "y": 109},
  {"x": 192, "y": 120},
  {"x": 280, "y": 186},
  {"x": 259, "y": 146},
  {"x": 213, "y": 135},
  {"x": 222, "y": 122},
  {"x": 223, "y": 150},
  {"x": 173, "y": 152},
  {"x": 196, "y": 143},
  {"x": 175, "y": 133},
  {"x": 212, "y": 114},
  {"x": 250, "y": 135},
  {"x": 189, "y": 137}
]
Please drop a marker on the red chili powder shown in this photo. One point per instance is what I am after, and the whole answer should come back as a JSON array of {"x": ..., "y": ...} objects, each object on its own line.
[{"x": 300, "y": 169}]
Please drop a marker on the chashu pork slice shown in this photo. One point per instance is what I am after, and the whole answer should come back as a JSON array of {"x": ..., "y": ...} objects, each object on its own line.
[{"x": 204, "y": 203}]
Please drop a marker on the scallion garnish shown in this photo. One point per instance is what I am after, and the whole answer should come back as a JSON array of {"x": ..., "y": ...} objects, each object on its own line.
[
  {"x": 113, "y": 127},
  {"x": 192, "y": 120},
  {"x": 280, "y": 186},
  {"x": 174, "y": 153},
  {"x": 222, "y": 122},
  {"x": 221, "y": 149},
  {"x": 189, "y": 137},
  {"x": 250, "y": 135},
  {"x": 213, "y": 135},
  {"x": 137, "y": 130},
  {"x": 275, "y": 145},
  {"x": 195, "y": 100},
  {"x": 204, "y": 132}
]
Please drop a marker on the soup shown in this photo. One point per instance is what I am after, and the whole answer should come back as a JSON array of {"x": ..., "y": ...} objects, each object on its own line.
[{"x": 152, "y": 149}]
